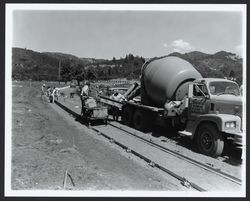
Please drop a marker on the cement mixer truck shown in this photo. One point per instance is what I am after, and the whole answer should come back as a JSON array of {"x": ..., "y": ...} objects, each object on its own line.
[{"x": 173, "y": 92}]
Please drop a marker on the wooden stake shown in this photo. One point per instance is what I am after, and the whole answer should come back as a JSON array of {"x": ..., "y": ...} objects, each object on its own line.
[{"x": 65, "y": 179}]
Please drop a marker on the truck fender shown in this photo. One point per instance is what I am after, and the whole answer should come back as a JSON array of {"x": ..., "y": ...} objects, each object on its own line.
[{"x": 217, "y": 119}]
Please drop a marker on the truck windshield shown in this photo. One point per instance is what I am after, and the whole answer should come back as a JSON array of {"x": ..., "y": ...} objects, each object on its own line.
[{"x": 223, "y": 87}]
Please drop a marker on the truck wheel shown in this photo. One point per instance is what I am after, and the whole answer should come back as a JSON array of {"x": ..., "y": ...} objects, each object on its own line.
[
  {"x": 210, "y": 141},
  {"x": 127, "y": 116},
  {"x": 140, "y": 120}
]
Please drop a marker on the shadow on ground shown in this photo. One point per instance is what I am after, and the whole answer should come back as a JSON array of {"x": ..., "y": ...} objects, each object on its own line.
[{"x": 231, "y": 154}]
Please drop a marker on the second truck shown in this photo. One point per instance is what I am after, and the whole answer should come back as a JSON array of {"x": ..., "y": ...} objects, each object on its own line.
[{"x": 173, "y": 92}]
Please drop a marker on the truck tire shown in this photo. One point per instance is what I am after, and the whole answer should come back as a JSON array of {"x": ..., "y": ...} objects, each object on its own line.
[
  {"x": 140, "y": 120},
  {"x": 210, "y": 140},
  {"x": 127, "y": 116}
]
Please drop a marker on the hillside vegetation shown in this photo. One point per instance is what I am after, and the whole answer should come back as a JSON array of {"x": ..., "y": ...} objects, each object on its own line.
[
  {"x": 221, "y": 64},
  {"x": 28, "y": 64}
]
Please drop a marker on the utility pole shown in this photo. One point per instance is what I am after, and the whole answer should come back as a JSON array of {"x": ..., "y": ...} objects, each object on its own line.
[{"x": 59, "y": 71}]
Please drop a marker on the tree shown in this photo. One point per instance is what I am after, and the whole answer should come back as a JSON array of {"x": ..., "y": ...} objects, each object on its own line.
[
  {"x": 66, "y": 72},
  {"x": 78, "y": 72},
  {"x": 91, "y": 75},
  {"x": 136, "y": 63},
  {"x": 131, "y": 57}
]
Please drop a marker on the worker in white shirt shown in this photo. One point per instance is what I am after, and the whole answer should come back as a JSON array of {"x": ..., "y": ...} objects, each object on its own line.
[
  {"x": 84, "y": 95},
  {"x": 53, "y": 94},
  {"x": 115, "y": 110},
  {"x": 85, "y": 89},
  {"x": 49, "y": 93},
  {"x": 117, "y": 96}
]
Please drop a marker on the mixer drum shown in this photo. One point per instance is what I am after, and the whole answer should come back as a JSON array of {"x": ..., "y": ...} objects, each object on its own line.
[{"x": 167, "y": 78}]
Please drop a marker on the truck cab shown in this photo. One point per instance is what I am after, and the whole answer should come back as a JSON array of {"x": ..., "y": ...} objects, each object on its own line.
[{"x": 214, "y": 114}]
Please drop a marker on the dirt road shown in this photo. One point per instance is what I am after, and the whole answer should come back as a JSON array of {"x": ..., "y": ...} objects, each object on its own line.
[{"x": 47, "y": 141}]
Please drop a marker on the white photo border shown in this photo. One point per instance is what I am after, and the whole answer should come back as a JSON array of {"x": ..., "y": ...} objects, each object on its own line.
[{"x": 9, "y": 8}]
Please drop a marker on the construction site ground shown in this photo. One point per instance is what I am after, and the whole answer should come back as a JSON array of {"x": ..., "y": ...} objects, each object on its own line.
[{"x": 47, "y": 142}]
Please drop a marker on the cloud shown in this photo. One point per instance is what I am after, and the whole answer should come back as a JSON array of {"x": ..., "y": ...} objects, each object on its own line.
[
  {"x": 238, "y": 49},
  {"x": 165, "y": 45},
  {"x": 179, "y": 46}
]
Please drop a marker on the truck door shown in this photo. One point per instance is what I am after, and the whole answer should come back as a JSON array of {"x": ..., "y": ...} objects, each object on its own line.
[{"x": 197, "y": 103}]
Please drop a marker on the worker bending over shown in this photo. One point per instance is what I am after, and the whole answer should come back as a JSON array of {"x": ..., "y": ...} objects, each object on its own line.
[{"x": 55, "y": 94}]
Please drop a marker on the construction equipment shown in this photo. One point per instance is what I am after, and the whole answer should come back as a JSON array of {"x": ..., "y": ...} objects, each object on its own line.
[
  {"x": 92, "y": 112},
  {"x": 208, "y": 110}
]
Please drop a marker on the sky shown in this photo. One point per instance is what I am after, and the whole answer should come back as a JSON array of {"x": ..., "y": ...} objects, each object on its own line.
[{"x": 108, "y": 34}]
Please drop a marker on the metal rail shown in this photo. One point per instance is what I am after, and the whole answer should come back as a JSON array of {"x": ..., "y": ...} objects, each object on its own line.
[{"x": 181, "y": 156}]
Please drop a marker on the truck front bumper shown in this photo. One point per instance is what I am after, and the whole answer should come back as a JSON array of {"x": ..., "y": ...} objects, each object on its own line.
[
  {"x": 238, "y": 140},
  {"x": 236, "y": 137}
]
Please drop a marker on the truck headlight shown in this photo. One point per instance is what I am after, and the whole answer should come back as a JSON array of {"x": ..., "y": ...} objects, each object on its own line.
[{"x": 230, "y": 124}]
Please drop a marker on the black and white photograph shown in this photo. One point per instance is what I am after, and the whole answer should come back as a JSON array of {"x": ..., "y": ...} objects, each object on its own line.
[{"x": 141, "y": 100}]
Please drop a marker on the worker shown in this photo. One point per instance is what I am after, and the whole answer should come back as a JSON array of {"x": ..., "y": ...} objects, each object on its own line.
[
  {"x": 115, "y": 110},
  {"x": 117, "y": 96},
  {"x": 85, "y": 89},
  {"x": 48, "y": 92},
  {"x": 52, "y": 94},
  {"x": 100, "y": 92},
  {"x": 71, "y": 95},
  {"x": 55, "y": 94},
  {"x": 84, "y": 95},
  {"x": 43, "y": 92}
]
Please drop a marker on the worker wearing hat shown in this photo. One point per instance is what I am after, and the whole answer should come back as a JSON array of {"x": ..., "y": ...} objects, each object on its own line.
[
  {"x": 84, "y": 94},
  {"x": 43, "y": 92}
]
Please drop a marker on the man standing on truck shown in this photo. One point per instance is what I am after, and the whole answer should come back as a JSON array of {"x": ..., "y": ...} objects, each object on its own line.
[{"x": 84, "y": 95}]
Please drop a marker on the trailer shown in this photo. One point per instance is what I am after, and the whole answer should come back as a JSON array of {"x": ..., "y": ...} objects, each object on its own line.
[
  {"x": 91, "y": 111},
  {"x": 95, "y": 114}
]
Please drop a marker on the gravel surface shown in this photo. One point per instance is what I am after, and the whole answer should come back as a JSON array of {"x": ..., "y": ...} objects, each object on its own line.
[{"x": 47, "y": 142}]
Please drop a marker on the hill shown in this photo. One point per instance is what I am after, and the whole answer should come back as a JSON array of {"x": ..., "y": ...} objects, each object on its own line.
[
  {"x": 63, "y": 57},
  {"x": 28, "y": 64},
  {"x": 221, "y": 64}
]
